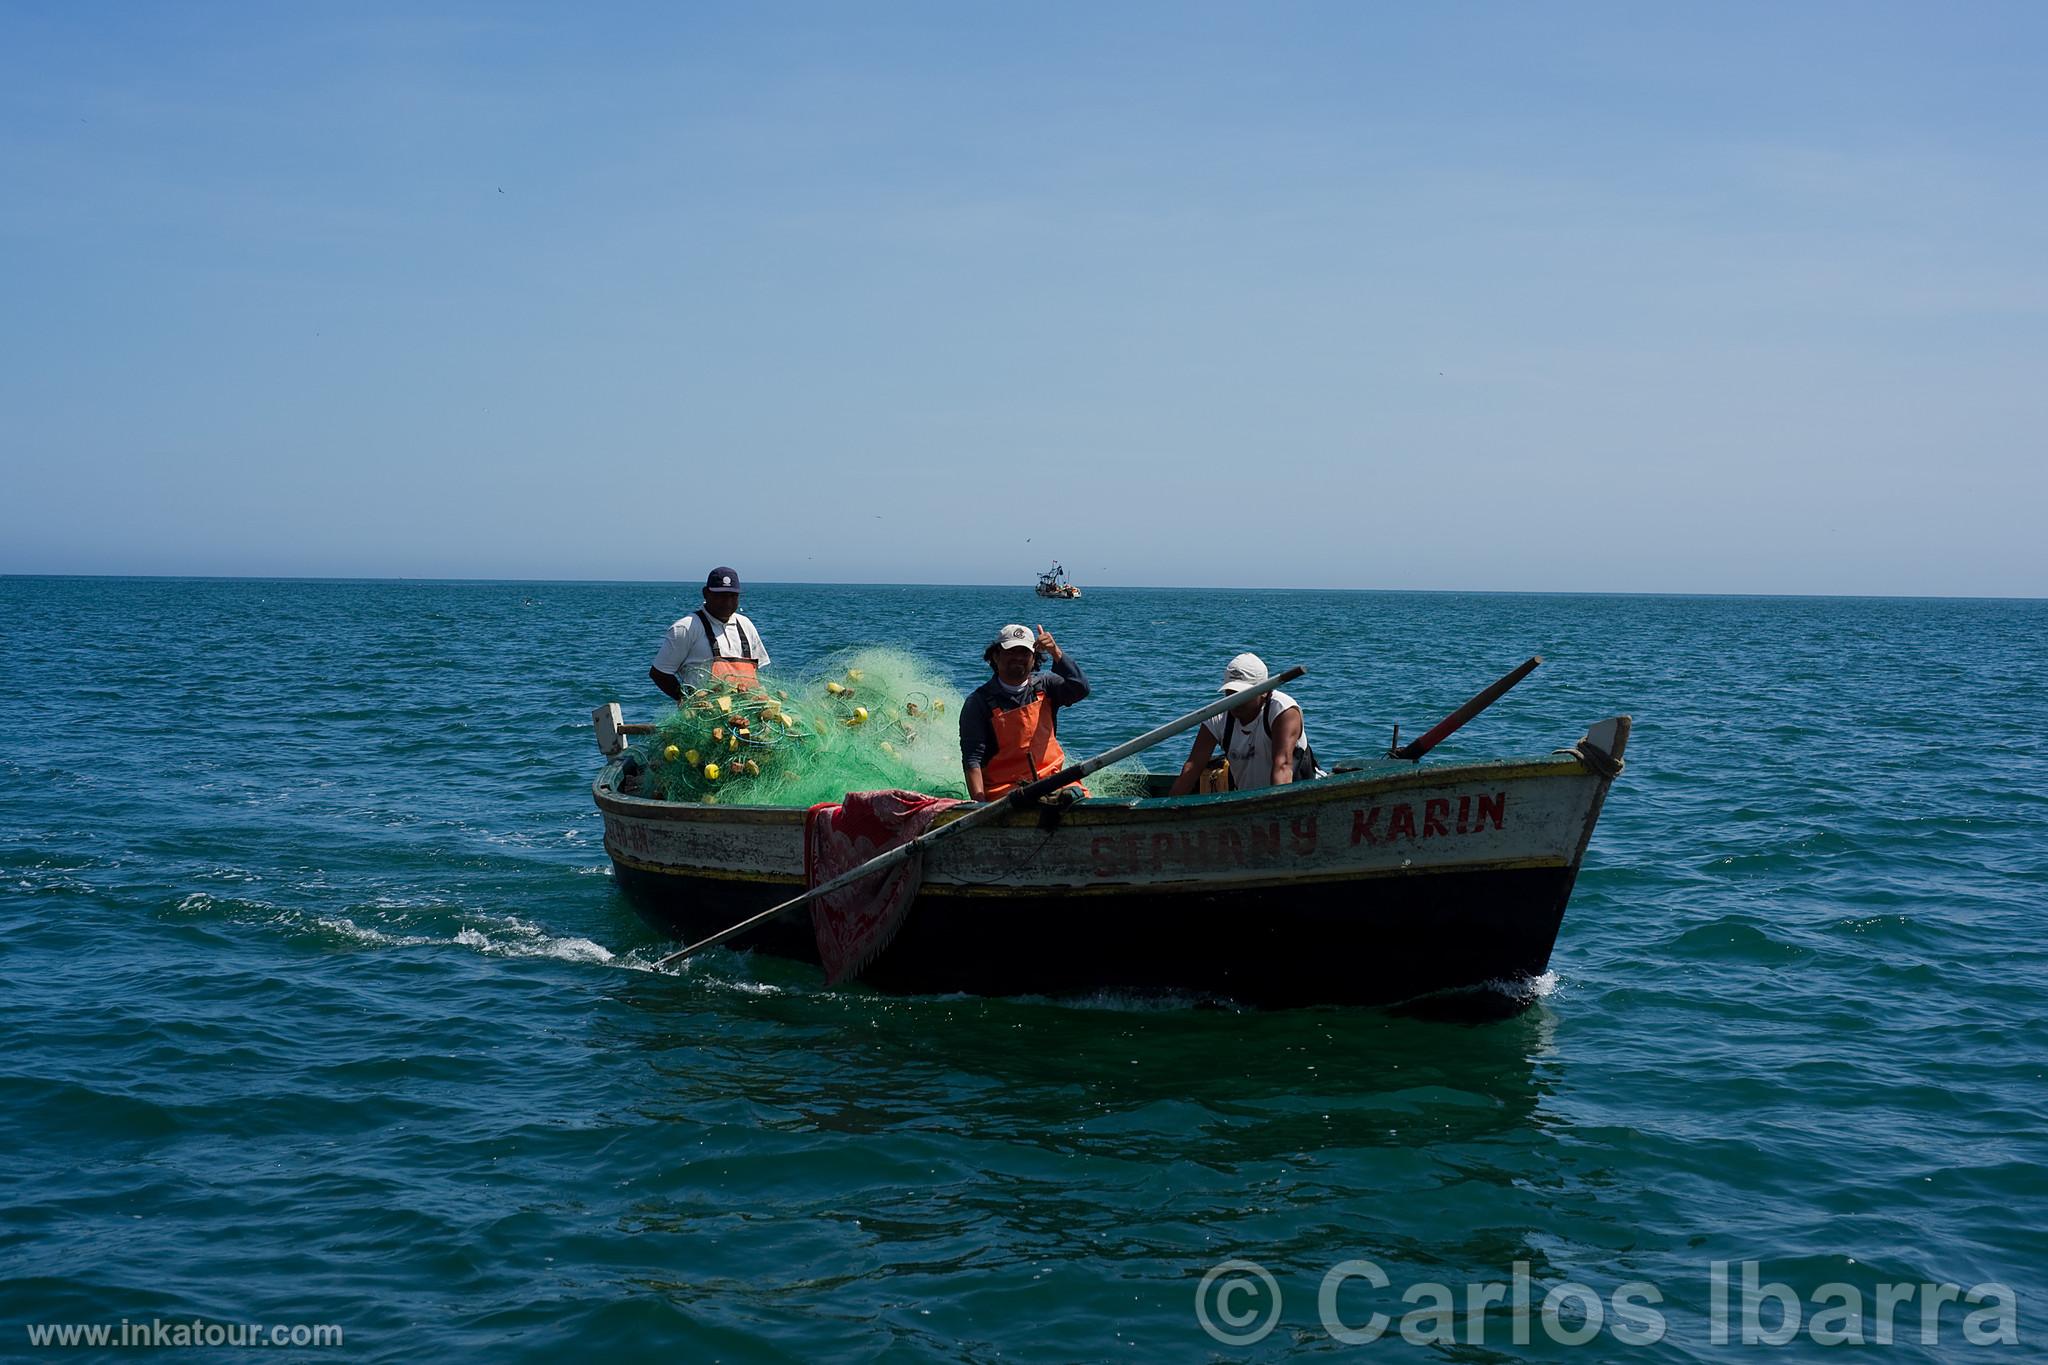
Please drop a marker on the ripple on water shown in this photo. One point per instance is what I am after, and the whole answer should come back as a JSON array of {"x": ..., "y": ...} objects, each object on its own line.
[{"x": 1734, "y": 938}]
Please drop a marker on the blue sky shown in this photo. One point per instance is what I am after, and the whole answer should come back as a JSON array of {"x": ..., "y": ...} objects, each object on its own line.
[{"x": 1731, "y": 298}]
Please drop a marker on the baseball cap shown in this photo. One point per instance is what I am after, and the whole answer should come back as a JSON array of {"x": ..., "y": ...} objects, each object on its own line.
[
  {"x": 721, "y": 579},
  {"x": 1246, "y": 670},
  {"x": 1015, "y": 637}
]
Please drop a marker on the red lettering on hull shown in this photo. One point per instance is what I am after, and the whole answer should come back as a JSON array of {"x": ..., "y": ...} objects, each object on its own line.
[
  {"x": 1436, "y": 821},
  {"x": 1265, "y": 842},
  {"x": 1492, "y": 808},
  {"x": 1433, "y": 812},
  {"x": 1303, "y": 828},
  {"x": 1230, "y": 847}
]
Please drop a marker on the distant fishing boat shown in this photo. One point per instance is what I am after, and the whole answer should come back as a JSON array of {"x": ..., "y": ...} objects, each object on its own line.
[
  {"x": 1378, "y": 884},
  {"x": 1053, "y": 583}
]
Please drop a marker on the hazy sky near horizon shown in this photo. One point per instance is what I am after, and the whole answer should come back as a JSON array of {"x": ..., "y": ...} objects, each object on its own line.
[{"x": 1730, "y": 298}]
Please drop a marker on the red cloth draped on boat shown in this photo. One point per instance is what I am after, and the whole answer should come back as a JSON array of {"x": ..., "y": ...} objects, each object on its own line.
[{"x": 855, "y": 923}]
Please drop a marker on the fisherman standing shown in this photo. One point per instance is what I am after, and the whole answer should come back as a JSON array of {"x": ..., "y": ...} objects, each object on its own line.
[
  {"x": 1009, "y": 725},
  {"x": 1263, "y": 741},
  {"x": 714, "y": 641}
]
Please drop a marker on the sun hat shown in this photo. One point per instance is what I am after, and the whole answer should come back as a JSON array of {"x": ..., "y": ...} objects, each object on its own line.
[
  {"x": 1246, "y": 670},
  {"x": 722, "y": 579}
]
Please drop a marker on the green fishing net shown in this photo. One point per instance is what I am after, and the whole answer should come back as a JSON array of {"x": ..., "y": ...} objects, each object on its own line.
[{"x": 863, "y": 720}]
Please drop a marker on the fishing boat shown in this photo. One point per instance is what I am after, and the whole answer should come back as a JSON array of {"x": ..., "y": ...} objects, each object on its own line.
[
  {"x": 1053, "y": 583},
  {"x": 1380, "y": 883}
]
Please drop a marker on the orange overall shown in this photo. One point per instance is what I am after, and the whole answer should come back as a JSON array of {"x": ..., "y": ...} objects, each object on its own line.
[
  {"x": 742, "y": 667},
  {"x": 1026, "y": 748}
]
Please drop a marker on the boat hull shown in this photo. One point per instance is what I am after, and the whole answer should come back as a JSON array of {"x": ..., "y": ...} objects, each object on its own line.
[
  {"x": 1366, "y": 888},
  {"x": 1271, "y": 947}
]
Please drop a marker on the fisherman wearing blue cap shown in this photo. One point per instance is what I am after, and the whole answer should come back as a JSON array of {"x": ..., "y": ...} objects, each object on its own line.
[{"x": 714, "y": 641}]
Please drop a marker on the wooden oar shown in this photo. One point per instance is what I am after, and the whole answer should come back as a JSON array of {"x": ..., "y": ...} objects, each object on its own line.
[
  {"x": 981, "y": 815},
  {"x": 1441, "y": 731}
]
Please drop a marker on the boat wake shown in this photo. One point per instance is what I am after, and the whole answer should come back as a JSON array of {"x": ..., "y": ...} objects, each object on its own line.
[
  {"x": 1499, "y": 998},
  {"x": 1536, "y": 988},
  {"x": 388, "y": 922},
  {"x": 494, "y": 935},
  {"x": 516, "y": 938}
]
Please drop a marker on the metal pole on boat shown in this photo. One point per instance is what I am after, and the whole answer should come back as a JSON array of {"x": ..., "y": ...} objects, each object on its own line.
[
  {"x": 1441, "y": 731},
  {"x": 981, "y": 815}
]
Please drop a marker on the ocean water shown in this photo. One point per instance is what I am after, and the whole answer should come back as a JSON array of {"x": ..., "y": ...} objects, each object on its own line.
[{"x": 320, "y": 1007}]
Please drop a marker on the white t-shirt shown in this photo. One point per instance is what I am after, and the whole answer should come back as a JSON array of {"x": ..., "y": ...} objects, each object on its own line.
[
  {"x": 1251, "y": 746},
  {"x": 686, "y": 651}
]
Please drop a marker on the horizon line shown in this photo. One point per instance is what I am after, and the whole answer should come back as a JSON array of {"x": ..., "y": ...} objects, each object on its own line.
[{"x": 1103, "y": 587}]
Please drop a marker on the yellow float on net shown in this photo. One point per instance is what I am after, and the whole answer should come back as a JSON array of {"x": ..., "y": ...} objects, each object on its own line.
[
  {"x": 725, "y": 705},
  {"x": 834, "y": 688},
  {"x": 888, "y": 748},
  {"x": 689, "y": 758},
  {"x": 859, "y": 716},
  {"x": 711, "y": 771},
  {"x": 853, "y": 675},
  {"x": 671, "y": 753}
]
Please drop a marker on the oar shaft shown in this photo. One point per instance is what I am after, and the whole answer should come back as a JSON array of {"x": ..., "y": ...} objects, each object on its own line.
[
  {"x": 1443, "y": 729},
  {"x": 981, "y": 815}
]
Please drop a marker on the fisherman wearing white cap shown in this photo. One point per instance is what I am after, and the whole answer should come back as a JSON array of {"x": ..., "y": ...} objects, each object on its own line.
[
  {"x": 714, "y": 641},
  {"x": 1263, "y": 741},
  {"x": 1009, "y": 725}
]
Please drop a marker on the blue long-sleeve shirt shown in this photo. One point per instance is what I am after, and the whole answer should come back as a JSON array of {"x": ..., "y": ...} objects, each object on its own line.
[{"x": 1063, "y": 684}]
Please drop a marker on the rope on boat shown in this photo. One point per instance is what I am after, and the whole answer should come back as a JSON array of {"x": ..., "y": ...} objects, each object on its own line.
[{"x": 1593, "y": 756}]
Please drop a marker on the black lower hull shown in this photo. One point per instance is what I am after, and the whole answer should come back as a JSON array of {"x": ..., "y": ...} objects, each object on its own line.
[{"x": 1337, "y": 943}]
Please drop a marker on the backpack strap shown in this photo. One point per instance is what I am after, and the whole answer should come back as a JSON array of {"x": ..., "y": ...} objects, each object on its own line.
[
  {"x": 750, "y": 642},
  {"x": 710, "y": 635}
]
